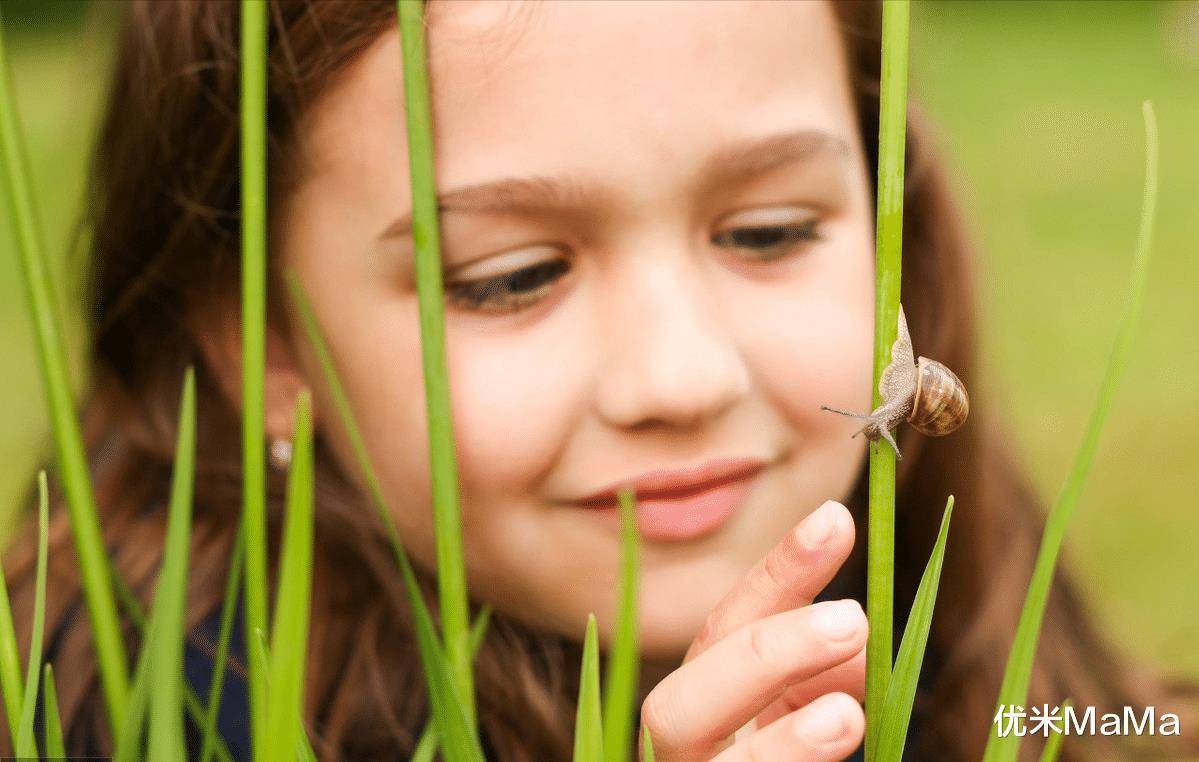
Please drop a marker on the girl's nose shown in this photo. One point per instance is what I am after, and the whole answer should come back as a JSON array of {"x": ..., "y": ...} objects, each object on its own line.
[{"x": 670, "y": 358}]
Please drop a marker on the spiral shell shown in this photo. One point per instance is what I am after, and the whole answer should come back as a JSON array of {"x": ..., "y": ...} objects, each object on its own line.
[{"x": 940, "y": 405}]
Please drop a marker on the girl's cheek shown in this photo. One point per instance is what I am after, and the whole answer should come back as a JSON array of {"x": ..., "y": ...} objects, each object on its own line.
[
  {"x": 516, "y": 397},
  {"x": 810, "y": 346}
]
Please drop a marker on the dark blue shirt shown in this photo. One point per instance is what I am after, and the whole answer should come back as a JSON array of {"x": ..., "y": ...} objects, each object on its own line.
[{"x": 199, "y": 654}]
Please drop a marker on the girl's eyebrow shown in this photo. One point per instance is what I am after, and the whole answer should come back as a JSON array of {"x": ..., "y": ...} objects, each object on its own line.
[
  {"x": 513, "y": 194},
  {"x": 730, "y": 164},
  {"x": 750, "y": 158}
]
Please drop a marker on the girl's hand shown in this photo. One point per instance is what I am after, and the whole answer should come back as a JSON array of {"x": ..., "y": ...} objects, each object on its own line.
[{"x": 790, "y": 673}]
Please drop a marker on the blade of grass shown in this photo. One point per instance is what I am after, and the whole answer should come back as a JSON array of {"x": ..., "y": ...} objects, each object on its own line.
[
  {"x": 457, "y": 731},
  {"x": 289, "y": 643},
  {"x": 111, "y": 659},
  {"x": 26, "y": 745},
  {"x": 620, "y": 679},
  {"x": 253, "y": 305},
  {"x": 305, "y": 753},
  {"x": 1018, "y": 673},
  {"x": 11, "y": 682},
  {"x": 589, "y": 728},
  {"x": 162, "y": 649},
  {"x": 341, "y": 402},
  {"x": 264, "y": 652},
  {"x": 431, "y": 654},
  {"x": 1053, "y": 746},
  {"x": 443, "y": 465},
  {"x": 228, "y": 607},
  {"x": 647, "y": 745},
  {"x": 426, "y": 746},
  {"x": 129, "y": 740},
  {"x": 880, "y": 552},
  {"x": 901, "y": 691},
  {"x": 54, "y": 744},
  {"x": 133, "y": 610},
  {"x": 170, "y": 597}
]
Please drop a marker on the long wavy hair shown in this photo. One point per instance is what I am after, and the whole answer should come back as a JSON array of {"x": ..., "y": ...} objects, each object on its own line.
[{"x": 163, "y": 258}]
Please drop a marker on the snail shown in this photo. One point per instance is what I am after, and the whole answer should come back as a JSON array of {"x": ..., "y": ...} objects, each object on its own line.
[{"x": 923, "y": 391}]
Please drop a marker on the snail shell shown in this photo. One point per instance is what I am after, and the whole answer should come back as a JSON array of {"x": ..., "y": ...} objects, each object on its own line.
[{"x": 940, "y": 404}]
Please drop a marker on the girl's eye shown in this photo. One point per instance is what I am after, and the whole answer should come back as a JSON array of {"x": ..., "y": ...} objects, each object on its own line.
[
  {"x": 768, "y": 234},
  {"x": 510, "y": 291}
]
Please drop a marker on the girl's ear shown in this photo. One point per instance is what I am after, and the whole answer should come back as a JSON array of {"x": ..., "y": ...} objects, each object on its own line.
[{"x": 220, "y": 344}]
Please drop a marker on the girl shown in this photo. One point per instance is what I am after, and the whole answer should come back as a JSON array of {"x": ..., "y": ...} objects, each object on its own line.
[{"x": 657, "y": 232}]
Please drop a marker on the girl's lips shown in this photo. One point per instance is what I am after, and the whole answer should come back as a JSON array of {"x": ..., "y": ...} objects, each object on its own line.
[{"x": 683, "y": 504}]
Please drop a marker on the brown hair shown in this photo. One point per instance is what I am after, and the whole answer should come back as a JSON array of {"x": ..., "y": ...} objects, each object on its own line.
[{"x": 164, "y": 205}]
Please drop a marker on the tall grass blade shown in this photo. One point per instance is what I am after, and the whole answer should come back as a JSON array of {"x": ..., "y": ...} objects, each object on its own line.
[
  {"x": 253, "y": 331},
  {"x": 426, "y": 745},
  {"x": 133, "y": 610},
  {"x": 111, "y": 659},
  {"x": 289, "y": 630},
  {"x": 277, "y": 747},
  {"x": 589, "y": 727},
  {"x": 901, "y": 692},
  {"x": 443, "y": 465},
  {"x": 305, "y": 753},
  {"x": 459, "y": 742},
  {"x": 880, "y": 541},
  {"x": 620, "y": 680},
  {"x": 431, "y": 654},
  {"x": 228, "y": 609},
  {"x": 170, "y": 598},
  {"x": 163, "y": 634},
  {"x": 647, "y": 745},
  {"x": 54, "y": 745},
  {"x": 1053, "y": 746},
  {"x": 1018, "y": 673},
  {"x": 129, "y": 738},
  {"x": 341, "y": 402},
  {"x": 26, "y": 745},
  {"x": 11, "y": 683}
]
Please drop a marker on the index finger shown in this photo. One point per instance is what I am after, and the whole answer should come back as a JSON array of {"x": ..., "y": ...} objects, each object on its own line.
[{"x": 790, "y": 576}]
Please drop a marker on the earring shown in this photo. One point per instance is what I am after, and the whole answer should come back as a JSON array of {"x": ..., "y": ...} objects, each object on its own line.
[{"x": 280, "y": 454}]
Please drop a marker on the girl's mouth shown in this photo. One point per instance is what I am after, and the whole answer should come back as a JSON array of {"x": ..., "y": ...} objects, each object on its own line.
[{"x": 682, "y": 504}]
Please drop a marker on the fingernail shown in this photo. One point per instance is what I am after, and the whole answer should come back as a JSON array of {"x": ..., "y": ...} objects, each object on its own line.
[
  {"x": 838, "y": 620},
  {"x": 822, "y": 722},
  {"x": 819, "y": 527}
]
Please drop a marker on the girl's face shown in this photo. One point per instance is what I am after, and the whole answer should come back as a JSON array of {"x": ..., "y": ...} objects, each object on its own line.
[{"x": 658, "y": 246}]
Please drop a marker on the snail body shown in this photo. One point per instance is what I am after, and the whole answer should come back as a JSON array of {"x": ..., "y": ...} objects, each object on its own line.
[{"x": 921, "y": 391}]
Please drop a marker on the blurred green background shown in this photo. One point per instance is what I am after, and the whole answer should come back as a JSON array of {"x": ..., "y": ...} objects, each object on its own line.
[{"x": 1038, "y": 107}]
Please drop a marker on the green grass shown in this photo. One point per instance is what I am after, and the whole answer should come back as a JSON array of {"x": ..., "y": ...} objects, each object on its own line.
[
  {"x": 621, "y": 678},
  {"x": 1018, "y": 673},
  {"x": 253, "y": 325},
  {"x": 426, "y": 745},
  {"x": 589, "y": 725},
  {"x": 169, "y": 613},
  {"x": 1053, "y": 747},
  {"x": 880, "y": 539},
  {"x": 443, "y": 464},
  {"x": 228, "y": 608},
  {"x": 68, "y": 439},
  {"x": 453, "y": 722},
  {"x": 54, "y": 743},
  {"x": 26, "y": 746},
  {"x": 1037, "y": 105},
  {"x": 901, "y": 690},
  {"x": 11, "y": 683},
  {"x": 289, "y": 628}
]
